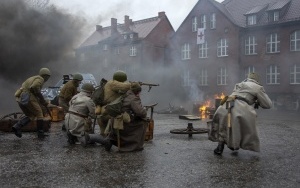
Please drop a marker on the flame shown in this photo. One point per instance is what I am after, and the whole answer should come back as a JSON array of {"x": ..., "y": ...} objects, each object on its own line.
[
  {"x": 203, "y": 109},
  {"x": 221, "y": 96}
]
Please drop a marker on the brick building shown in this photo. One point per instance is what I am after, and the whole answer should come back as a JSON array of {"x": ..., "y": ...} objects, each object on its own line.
[
  {"x": 127, "y": 46},
  {"x": 241, "y": 36}
]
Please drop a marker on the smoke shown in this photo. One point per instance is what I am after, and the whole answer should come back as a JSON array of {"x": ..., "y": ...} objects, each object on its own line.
[{"x": 32, "y": 37}]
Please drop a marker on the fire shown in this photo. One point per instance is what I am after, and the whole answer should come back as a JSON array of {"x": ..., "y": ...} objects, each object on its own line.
[
  {"x": 221, "y": 96},
  {"x": 205, "y": 108}
]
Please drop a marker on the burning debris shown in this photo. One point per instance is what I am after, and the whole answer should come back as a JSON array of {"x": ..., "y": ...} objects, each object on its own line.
[{"x": 208, "y": 107}]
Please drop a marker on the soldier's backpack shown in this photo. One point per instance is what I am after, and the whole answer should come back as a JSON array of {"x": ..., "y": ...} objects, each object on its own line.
[
  {"x": 114, "y": 108},
  {"x": 98, "y": 95}
]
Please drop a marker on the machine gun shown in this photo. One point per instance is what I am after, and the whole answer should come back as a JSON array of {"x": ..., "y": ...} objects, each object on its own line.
[{"x": 148, "y": 84}]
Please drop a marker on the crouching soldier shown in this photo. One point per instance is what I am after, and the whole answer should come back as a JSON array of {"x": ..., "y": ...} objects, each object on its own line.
[
  {"x": 78, "y": 120},
  {"x": 32, "y": 103},
  {"x": 128, "y": 133}
]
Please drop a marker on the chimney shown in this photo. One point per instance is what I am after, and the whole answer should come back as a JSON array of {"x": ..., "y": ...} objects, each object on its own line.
[
  {"x": 114, "y": 26},
  {"x": 126, "y": 22},
  {"x": 98, "y": 27},
  {"x": 161, "y": 14}
]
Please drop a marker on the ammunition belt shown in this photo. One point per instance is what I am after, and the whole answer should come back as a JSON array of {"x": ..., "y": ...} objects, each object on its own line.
[{"x": 77, "y": 114}]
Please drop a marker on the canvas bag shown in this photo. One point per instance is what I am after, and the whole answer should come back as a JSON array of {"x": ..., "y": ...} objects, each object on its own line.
[{"x": 115, "y": 107}]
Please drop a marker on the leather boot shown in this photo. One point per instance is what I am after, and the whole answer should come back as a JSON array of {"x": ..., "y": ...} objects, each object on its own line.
[
  {"x": 71, "y": 138},
  {"x": 21, "y": 123},
  {"x": 86, "y": 140},
  {"x": 100, "y": 139},
  {"x": 219, "y": 149},
  {"x": 63, "y": 128},
  {"x": 40, "y": 129}
]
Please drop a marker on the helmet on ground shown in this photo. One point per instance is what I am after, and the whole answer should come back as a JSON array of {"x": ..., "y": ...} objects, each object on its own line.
[
  {"x": 120, "y": 76},
  {"x": 44, "y": 71},
  {"x": 254, "y": 76},
  {"x": 136, "y": 87},
  {"x": 88, "y": 87},
  {"x": 77, "y": 77}
]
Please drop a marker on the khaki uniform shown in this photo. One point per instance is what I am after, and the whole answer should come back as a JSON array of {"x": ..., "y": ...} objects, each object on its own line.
[
  {"x": 34, "y": 108},
  {"x": 81, "y": 112},
  {"x": 243, "y": 132},
  {"x": 66, "y": 94},
  {"x": 112, "y": 90},
  {"x": 133, "y": 135}
]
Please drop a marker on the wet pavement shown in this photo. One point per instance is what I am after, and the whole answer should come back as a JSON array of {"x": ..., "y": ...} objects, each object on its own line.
[{"x": 169, "y": 160}]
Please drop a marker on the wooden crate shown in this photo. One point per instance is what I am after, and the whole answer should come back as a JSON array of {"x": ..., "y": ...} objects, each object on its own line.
[
  {"x": 149, "y": 131},
  {"x": 57, "y": 114}
]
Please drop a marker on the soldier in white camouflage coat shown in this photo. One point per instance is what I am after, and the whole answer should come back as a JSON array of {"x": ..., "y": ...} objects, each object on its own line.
[
  {"x": 78, "y": 120},
  {"x": 240, "y": 130}
]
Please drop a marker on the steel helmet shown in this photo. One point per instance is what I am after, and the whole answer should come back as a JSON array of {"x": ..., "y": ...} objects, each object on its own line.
[
  {"x": 88, "y": 87},
  {"x": 254, "y": 76},
  {"x": 120, "y": 76},
  {"x": 136, "y": 87},
  {"x": 44, "y": 71},
  {"x": 77, "y": 77}
]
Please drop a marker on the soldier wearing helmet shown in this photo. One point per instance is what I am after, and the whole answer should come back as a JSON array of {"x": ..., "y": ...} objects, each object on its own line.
[
  {"x": 68, "y": 91},
  {"x": 78, "y": 119},
  {"x": 132, "y": 134},
  {"x": 112, "y": 90},
  {"x": 236, "y": 116},
  {"x": 32, "y": 102}
]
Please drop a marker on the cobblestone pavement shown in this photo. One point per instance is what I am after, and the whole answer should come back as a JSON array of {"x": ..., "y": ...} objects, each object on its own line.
[{"x": 169, "y": 160}]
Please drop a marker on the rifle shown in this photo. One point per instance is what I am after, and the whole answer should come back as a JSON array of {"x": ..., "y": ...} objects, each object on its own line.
[{"x": 148, "y": 84}]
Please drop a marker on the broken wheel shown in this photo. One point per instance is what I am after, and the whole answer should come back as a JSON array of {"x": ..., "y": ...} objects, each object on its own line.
[{"x": 190, "y": 130}]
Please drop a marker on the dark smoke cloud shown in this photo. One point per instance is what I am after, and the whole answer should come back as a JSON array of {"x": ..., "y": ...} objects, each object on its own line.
[{"x": 32, "y": 37}]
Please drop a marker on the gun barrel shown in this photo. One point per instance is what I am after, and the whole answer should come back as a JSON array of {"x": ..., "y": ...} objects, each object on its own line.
[{"x": 148, "y": 84}]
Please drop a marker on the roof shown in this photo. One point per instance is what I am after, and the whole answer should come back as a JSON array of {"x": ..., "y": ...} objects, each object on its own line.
[
  {"x": 239, "y": 8},
  {"x": 142, "y": 27}
]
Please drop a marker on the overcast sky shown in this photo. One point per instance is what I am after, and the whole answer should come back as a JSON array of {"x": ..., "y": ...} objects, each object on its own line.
[{"x": 101, "y": 11}]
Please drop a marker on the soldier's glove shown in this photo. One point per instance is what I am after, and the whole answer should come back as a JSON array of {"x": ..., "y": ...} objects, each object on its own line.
[{"x": 98, "y": 110}]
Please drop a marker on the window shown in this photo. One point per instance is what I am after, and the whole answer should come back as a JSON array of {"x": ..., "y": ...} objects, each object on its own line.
[
  {"x": 295, "y": 74},
  {"x": 203, "y": 77},
  {"x": 194, "y": 24},
  {"x": 249, "y": 70},
  {"x": 273, "y": 43},
  {"x": 105, "y": 47},
  {"x": 185, "y": 51},
  {"x": 213, "y": 21},
  {"x": 274, "y": 16},
  {"x": 131, "y": 36},
  {"x": 222, "y": 76},
  {"x": 250, "y": 45},
  {"x": 203, "y": 21},
  {"x": 132, "y": 51},
  {"x": 186, "y": 78},
  {"x": 222, "y": 48},
  {"x": 125, "y": 36},
  {"x": 203, "y": 50},
  {"x": 273, "y": 74},
  {"x": 251, "y": 20},
  {"x": 295, "y": 41}
]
